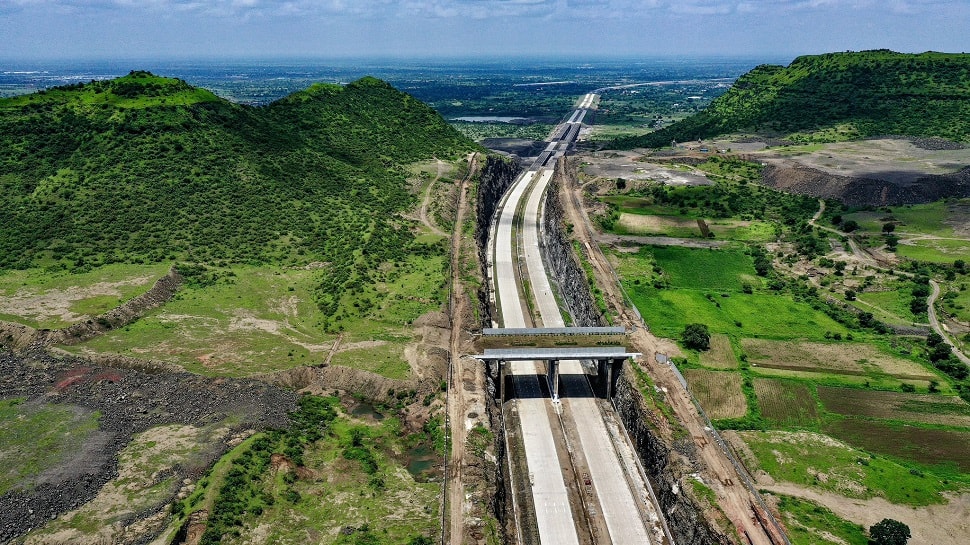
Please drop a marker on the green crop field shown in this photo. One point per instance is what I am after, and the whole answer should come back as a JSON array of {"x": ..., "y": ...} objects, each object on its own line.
[
  {"x": 926, "y": 219},
  {"x": 699, "y": 269},
  {"x": 935, "y": 250},
  {"x": 927, "y": 409},
  {"x": 786, "y": 404},
  {"x": 930, "y": 447},
  {"x": 760, "y": 314}
]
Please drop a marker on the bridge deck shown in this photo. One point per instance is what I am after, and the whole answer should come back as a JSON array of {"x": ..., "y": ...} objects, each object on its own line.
[
  {"x": 500, "y": 331},
  {"x": 570, "y": 353}
]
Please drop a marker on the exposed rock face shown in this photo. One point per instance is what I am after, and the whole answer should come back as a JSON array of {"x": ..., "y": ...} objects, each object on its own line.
[
  {"x": 566, "y": 269},
  {"x": 866, "y": 191},
  {"x": 661, "y": 463},
  {"x": 496, "y": 177}
]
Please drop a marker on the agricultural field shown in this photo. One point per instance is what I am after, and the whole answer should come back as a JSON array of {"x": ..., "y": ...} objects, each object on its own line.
[
  {"x": 786, "y": 404},
  {"x": 934, "y": 250},
  {"x": 763, "y": 314},
  {"x": 946, "y": 449},
  {"x": 833, "y": 358},
  {"x": 46, "y": 299},
  {"x": 718, "y": 392},
  {"x": 821, "y": 383},
  {"x": 671, "y": 226},
  {"x": 897, "y": 406},
  {"x": 937, "y": 219},
  {"x": 709, "y": 286},
  {"x": 720, "y": 355}
]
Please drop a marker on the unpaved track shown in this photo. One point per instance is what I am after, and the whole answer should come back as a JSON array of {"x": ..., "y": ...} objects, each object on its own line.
[
  {"x": 733, "y": 498},
  {"x": 872, "y": 262},
  {"x": 456, "y": 403},
  {"x": 427, "y": 200},
  {"x": 931, "y": 311}
]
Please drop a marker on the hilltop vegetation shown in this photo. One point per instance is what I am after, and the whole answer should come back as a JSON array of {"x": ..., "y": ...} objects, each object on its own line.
[
  {"x": 837, "y": 96},
  {"x": 145, "y": 169}
]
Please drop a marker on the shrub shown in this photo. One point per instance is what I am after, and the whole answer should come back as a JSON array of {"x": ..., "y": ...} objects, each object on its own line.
[
  {"x": 696, "y": 337},
  {"x": 889, "y": 532}
]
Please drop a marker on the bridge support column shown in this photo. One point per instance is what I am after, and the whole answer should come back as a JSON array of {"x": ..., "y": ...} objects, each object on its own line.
[
  {"x": 608, "y": 372},
  {"x": 552, "y": 376},
  {"x": 501, "y": 382}
]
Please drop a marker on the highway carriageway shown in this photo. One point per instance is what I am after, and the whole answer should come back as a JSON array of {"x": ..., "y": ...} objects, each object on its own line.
[{"x": 615, "y": 506}]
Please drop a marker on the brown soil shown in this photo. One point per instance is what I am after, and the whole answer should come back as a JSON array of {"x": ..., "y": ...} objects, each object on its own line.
[{"x": 932, "y": 525}]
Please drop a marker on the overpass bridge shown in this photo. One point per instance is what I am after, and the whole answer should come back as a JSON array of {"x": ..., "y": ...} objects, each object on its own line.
[{"x": 554, "y": 344}]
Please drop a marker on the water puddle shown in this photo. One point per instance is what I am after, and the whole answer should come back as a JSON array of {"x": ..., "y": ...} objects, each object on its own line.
[
  {"x": 366, "y": 411},
  {"x": 423, "y": 463}
]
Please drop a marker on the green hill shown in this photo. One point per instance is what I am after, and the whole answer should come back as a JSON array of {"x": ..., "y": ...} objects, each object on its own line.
[
  {"x": 837, "y": 96},
  {"x": 146, "y": 169}
]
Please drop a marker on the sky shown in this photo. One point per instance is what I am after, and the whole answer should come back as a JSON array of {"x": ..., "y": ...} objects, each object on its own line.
[{"x": 98, "y": 29}]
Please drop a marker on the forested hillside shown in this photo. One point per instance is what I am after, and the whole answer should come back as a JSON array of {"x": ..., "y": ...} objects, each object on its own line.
[
  {"x": 145, "y": 168},
  {"x": 837, "y": 96}
]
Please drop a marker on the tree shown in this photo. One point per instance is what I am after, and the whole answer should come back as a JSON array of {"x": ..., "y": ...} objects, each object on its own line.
[
  {"x": 889, "y": 532},
  {"x": 696, "y": 337},
  {"x": 849, "y": 225},
  {"x": 892, "y": 241},
  {"x": 888, "y": 227},
  {"x": 849, "y": 295}
]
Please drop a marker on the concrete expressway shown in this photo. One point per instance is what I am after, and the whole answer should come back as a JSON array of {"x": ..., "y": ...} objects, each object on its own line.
[{"x": 620, "y": 506}]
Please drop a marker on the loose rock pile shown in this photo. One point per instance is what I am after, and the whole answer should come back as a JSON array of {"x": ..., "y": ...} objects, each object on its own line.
[{"x": 129, "y": 401}]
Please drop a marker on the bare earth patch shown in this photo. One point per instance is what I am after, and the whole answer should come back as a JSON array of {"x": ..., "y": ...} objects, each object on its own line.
[
  {"x": 55, "y": 304},
  {"x": 720, "y": 355},
  {"x": 932, "y": 525}
]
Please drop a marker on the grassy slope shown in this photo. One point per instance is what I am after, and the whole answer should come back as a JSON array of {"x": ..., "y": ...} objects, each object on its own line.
[
  {"x": 150, "y": 169},
  {"x": 838, "y": 96}
]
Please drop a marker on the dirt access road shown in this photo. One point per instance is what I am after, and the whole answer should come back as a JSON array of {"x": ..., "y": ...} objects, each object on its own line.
[
  {"x": 869, "y": 260},
  {"x": 733, "y": 497},
  {"x": 455, "y": 501}
]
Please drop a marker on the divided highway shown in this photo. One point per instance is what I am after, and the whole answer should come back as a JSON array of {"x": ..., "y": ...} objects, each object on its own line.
[{"x": 620, "y": 503}]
